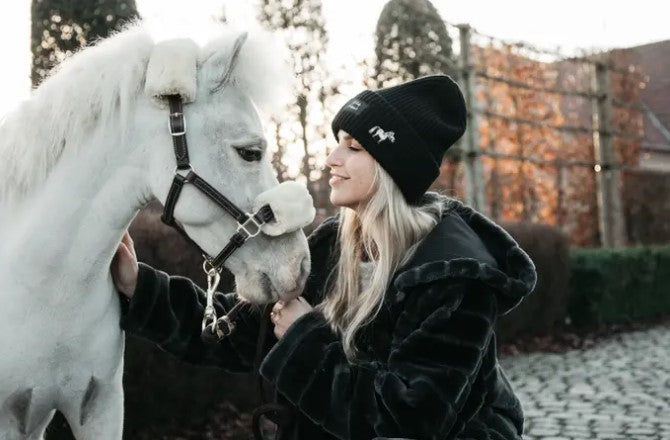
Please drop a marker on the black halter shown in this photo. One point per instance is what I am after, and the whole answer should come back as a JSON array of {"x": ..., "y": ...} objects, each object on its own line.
[
  {"x": 184, "y": 174},
  {"x": 215, "y": 329}
]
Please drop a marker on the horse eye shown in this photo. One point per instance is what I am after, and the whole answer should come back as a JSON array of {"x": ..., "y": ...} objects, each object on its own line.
[{"x": 249, "y": 155}]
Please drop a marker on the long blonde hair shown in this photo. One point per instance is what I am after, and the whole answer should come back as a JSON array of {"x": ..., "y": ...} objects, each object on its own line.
[{"x": 387, "y": 229}]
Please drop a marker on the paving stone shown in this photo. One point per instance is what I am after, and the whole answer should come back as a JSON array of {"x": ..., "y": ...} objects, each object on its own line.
[
  {"x": 618, "y": 389},
  {"x": 563, "y": 415},
  {"x": 543, "y": 432},
  {"x": 577, "y": 434},
  {"x": 639, "y": 431}
]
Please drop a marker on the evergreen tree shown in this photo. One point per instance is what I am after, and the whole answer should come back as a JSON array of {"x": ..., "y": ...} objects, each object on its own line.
[
  {"x": 411, "y": 41},
  {"x": 60, "y": 27}
]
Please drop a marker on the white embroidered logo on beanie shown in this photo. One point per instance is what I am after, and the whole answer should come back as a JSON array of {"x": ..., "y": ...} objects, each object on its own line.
[{"x": 380, "y": 135}]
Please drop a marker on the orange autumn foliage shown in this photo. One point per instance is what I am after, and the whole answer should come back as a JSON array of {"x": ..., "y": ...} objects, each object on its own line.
[{"x": 539, "y": 190}]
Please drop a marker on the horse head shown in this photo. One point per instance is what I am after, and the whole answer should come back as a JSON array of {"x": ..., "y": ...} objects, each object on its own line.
[{"x": 219, "y": 87}]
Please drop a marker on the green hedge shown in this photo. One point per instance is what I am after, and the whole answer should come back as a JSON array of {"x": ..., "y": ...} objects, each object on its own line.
[{"x": 619, "y": 285}]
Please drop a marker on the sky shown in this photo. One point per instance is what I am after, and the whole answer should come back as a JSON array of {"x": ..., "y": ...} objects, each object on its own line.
[{"x": 568, "y": 25}]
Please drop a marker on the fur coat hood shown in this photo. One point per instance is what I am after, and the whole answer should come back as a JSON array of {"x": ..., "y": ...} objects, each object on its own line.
[{"x": 464, "y": 244}]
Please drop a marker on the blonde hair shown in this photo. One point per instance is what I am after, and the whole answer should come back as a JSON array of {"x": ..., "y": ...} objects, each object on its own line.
[{"x": 386, "y": 229}]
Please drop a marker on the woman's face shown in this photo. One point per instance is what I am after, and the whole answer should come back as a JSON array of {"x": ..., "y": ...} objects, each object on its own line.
[{"x": 352, "y": 171}]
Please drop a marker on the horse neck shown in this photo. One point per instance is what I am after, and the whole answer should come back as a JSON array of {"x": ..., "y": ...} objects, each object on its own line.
[{"x": 73, "y": 223}]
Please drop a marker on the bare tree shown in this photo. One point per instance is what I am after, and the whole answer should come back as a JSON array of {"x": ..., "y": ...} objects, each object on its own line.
[{"x": 301, "y": 24}]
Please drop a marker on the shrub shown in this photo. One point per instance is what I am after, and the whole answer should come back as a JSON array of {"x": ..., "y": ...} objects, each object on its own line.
[
  {"x": 619, "y": 285},
  {"x": 546, "y": 306}
]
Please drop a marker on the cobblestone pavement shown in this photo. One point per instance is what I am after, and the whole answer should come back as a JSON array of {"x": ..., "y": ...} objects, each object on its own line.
[{"x": 619, "y": 389}]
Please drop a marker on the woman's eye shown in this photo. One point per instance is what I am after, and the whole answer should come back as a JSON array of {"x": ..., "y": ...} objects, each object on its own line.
[
  {"x": 354, "y": 149},
  {"x": 250, "y": 155}
]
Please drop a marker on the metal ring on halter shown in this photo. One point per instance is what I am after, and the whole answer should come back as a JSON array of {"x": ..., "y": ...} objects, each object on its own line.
[
  {"x": 242, "y": 226},
  {"x": 211, "y": 266},
  {"x": 185, "y": 170}
]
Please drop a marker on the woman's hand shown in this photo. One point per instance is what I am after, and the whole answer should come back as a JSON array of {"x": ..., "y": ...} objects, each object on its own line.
[
  {"x": 124, "y": 266},
  {"x": 286, "y": 313}
]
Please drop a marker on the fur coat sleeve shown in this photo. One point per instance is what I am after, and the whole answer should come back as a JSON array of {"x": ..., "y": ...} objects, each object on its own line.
[
  {"x": 168, "y": 311},
  {"x": 438, "y": 343}
]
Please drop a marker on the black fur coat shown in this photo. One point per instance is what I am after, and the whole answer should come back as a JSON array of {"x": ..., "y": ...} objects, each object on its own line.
[{"x": 428, "y": 366}]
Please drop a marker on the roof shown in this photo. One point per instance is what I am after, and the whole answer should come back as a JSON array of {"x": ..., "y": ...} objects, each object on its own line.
[{"x": 653, "y": 61}]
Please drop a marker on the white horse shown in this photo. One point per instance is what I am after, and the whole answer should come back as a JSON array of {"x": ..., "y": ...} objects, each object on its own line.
[{"x": 77, "y": 161}]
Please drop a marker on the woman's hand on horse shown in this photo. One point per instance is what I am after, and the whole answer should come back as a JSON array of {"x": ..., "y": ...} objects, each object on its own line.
[
  {"x": 124, "y": 266},
  {"x": 285, "y": 313}
]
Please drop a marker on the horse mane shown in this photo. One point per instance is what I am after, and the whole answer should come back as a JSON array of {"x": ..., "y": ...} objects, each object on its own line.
[{"x": 98, "y": 88}]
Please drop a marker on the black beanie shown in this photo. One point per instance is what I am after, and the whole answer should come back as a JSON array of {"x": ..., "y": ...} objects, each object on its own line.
[{"x": 407, "y": 128}]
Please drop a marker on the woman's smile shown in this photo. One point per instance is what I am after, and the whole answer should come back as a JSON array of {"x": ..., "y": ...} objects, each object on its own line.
[
  {"x": 335, "y": 179},
  {"x": 349, "y": 161}
]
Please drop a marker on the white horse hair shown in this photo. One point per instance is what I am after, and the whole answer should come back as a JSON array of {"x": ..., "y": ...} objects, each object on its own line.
[
  {"x": 91, "y": 87},
  {"x": 79, "y": 159}
]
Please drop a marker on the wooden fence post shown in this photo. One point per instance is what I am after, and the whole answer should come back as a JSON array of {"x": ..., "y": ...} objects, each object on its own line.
[
  {"x": 608, "y": 173},
  {"x": 474, "y": 176}
]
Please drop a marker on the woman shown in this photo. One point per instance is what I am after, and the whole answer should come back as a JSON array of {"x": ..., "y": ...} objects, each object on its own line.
[{"x": 393, "y": 335}]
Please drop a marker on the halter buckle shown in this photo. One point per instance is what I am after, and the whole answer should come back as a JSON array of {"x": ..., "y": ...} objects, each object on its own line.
[
  {"x": 178, "y": 117},
  {"x": 243, "y": 226}
]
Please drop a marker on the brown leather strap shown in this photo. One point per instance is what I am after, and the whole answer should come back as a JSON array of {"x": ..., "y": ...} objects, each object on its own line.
[
  {"x": 236, "y": 241},
  {"x": 178, "y": 131},
  {"x": 216, "y": 196},
  {"x": 172, "y": 197},
  {"x": 264, "y": 215}
]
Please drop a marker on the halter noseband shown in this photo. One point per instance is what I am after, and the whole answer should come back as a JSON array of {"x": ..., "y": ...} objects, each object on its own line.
[{"x": 184, "y": 174}]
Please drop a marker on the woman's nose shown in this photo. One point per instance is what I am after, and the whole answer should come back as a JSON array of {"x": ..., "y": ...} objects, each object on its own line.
[{"x": 333, "y": 158}]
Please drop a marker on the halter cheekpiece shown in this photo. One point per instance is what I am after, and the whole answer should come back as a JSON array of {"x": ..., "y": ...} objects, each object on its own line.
[{"x": 248, "y": 224}]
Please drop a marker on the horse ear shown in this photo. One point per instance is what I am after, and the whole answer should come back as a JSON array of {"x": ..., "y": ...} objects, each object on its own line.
[
  {"x": 224, "y": 62},
  {"x": 172, "y": 70}
]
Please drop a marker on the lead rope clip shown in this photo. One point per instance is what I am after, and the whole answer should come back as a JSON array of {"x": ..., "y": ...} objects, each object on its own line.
[{"x": 213, "y": 278}]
